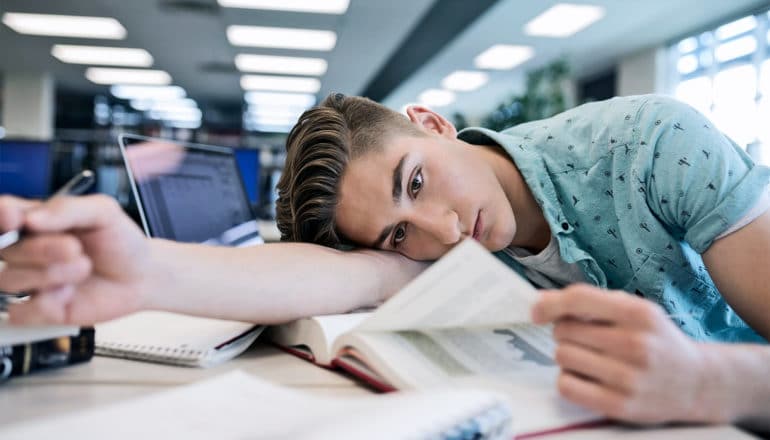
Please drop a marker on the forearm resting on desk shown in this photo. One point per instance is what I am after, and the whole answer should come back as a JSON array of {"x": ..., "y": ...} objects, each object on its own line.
[{"x": 271, "y": 283}]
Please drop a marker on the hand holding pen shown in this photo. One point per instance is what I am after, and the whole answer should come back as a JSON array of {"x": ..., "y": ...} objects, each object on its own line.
[
  {"x": 81, "y": 258},
  {"x": 74, "y": 187}
]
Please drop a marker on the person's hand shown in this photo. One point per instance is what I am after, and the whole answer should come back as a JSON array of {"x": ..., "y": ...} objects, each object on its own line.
[
  {"x": 81, "y": 258},
  {"x": 622, "y": 356}
]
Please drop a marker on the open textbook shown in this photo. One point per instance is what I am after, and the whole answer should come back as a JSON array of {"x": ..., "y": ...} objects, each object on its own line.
[{"x": 464, "y": 321}]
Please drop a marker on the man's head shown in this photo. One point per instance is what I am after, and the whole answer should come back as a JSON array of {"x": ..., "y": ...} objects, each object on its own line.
[{"x": 358, "y": 173}]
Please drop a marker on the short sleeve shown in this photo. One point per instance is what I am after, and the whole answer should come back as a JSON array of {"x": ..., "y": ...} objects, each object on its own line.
[{"x": 698, "y": 182}]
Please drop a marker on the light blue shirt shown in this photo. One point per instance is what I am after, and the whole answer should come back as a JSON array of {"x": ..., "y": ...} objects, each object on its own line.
[{"x": 634, "y": 190}]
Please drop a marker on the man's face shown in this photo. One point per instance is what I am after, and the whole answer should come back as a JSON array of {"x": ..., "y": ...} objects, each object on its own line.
[{"x": 421, "y": 195}]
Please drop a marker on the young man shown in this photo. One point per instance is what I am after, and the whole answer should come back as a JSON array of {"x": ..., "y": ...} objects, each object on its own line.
[{"x": 625, "y": 194}]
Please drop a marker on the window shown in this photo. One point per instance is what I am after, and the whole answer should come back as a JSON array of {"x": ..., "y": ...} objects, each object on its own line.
[{"x": 725, "y": 74}]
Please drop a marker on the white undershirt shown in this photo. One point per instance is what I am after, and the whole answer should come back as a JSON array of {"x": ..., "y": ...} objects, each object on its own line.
[{"x": 547, "y": 270}]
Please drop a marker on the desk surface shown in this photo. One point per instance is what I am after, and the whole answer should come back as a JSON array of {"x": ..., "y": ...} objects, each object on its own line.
[{"x": 106, "y": 380}]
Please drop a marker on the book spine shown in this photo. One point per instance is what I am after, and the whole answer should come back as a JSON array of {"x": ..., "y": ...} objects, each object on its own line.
[{"x": 17, "y": 360}]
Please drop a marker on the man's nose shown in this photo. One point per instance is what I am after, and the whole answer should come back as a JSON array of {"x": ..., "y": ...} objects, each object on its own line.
[{"x": 442, "y": 224}]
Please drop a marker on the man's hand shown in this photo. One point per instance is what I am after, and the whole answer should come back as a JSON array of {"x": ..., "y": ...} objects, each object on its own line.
[
  {"x": 622, "y": 356},
  {"x": 81, "y": 258}
]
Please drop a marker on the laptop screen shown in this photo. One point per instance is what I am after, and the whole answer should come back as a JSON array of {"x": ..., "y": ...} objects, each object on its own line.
[{"x": 187, "y": 192}]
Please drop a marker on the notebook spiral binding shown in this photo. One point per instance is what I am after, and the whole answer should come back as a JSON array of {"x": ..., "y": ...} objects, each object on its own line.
[
  {"x": 493, "y": 422},
  {"x": 170, "y": 355}
]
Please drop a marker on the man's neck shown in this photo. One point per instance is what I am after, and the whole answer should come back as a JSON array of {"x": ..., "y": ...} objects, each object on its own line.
[{"x": 532, "y": 230}]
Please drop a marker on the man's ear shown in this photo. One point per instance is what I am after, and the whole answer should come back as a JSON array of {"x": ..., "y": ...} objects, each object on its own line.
[{"x": 430, "y": 121}]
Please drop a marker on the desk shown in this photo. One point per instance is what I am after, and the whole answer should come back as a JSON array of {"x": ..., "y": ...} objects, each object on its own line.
[{"x": 106, "y": 380}]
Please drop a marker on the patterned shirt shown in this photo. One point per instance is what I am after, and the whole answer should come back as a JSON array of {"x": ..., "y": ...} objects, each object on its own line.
[{"x": 634, "y": 189}]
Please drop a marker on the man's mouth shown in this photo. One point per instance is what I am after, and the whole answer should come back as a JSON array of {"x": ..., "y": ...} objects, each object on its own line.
[{"x": 477, "y": 227}]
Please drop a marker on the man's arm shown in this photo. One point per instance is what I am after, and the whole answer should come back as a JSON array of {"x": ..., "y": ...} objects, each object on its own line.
[
  {"x": 738, "y": 264},
  {"x": 272, "y": 283},
  {"x": 86, "y": 262}
]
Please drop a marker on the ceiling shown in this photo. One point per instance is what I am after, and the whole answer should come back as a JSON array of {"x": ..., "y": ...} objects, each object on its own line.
[
  {"x": 391, "y": 50},
  {"x": 627, "y": 27},
  {"x": 187, "y": 39}
]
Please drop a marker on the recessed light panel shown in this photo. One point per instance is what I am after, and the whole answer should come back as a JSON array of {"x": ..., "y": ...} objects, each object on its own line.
[
  {"x": 303, "y": 100},
  {"x": 155, "y": 93},
  {"x": 465, "y": 80},
  {"x": 503, "y": 57},
  {"x": 282, "y": 83},
  {"x": 105, "y": 75},
  {"x": 564, "y": 20},
  {"x": 65, "y": 25},
  {"x": 281, "y": 38},
  {"x": 312, "y": 6},
  {"x": 436, "y": 97},
  {"x": 102, "y": 56},
  {"x": 275, "y": 64}
]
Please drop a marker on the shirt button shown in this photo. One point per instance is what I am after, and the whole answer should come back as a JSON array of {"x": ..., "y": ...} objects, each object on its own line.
[{"x": 565, "y": 226}]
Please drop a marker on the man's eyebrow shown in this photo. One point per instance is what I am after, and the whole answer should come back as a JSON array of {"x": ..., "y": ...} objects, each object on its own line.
[
  {"x": 397, "y": 180},
  {"x": 383, "y": 235},
  {"x": 397, "y": 172}
]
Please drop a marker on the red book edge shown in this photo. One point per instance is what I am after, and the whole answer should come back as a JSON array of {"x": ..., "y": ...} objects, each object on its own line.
[{"x": 373, "y": 382}]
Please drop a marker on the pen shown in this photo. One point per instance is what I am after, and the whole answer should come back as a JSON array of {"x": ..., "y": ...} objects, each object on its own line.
[{"x": 75, "y": 186}]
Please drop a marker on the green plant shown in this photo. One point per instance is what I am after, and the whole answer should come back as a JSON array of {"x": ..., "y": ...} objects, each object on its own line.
[{"x": 543, "y": 97}]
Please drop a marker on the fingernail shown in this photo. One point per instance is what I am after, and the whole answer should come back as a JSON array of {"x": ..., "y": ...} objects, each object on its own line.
[{"x": 2, "y": 265}]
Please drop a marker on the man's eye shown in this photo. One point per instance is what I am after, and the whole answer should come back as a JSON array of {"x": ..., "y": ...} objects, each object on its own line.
[
  {"x": 416, "y": 184},
  {"x": 399, "y": 235}
]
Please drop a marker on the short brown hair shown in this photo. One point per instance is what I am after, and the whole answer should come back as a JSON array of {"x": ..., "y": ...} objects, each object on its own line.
[{"x": 319, "y": 147}]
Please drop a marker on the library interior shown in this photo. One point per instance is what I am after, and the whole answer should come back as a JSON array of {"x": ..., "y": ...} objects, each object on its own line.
[{"x": 177, "y": 140}]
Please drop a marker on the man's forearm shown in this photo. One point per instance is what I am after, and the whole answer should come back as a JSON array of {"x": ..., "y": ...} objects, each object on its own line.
[
  {"x": 737, "y": 376},
  {"x": 270, "y": 283}
]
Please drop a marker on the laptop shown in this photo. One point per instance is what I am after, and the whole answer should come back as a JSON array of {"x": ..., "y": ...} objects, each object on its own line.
[{"x": 189, "y": 192}]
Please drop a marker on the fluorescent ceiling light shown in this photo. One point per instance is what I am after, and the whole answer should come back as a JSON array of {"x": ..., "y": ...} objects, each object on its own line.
[
  {"x": 281, "y": 38},
  {"x": 102, "y": 56},
  {"x": 436, "y": 97},
  {"x": 65, "y": 25},
  {"x": 181, "y": 114},
  {"x": 503, "y": 57},
  {"x": 103, "y": 75},
  {"x": 285, "y": 83},
  {"x": 182, "y": 105},
  {"x": 465, "y": 80},
  {"x": 563, "y": 20},
  {"x": 288, "y": 99},
  {"x": 313, "y": 6},
  {"x": 287, "y": 65},
  {"x": 158, "y": 93}
]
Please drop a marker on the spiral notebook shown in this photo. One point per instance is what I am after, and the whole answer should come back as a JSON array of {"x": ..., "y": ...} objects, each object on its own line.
[
  {"x": 237, "y": 405},
  {"x": 175, "y": 339}
]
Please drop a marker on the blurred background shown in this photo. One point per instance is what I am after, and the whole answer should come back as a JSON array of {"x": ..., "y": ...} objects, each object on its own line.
[{"x": 76, "y": 73}]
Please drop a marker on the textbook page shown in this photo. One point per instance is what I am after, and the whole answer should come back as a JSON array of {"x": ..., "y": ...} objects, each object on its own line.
[
  {"x": 414, "y": 359},
  {"x": 515, "y": 360},
  {"x": 316, "y": 333},
  {"x": 468, "y": 287}
]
